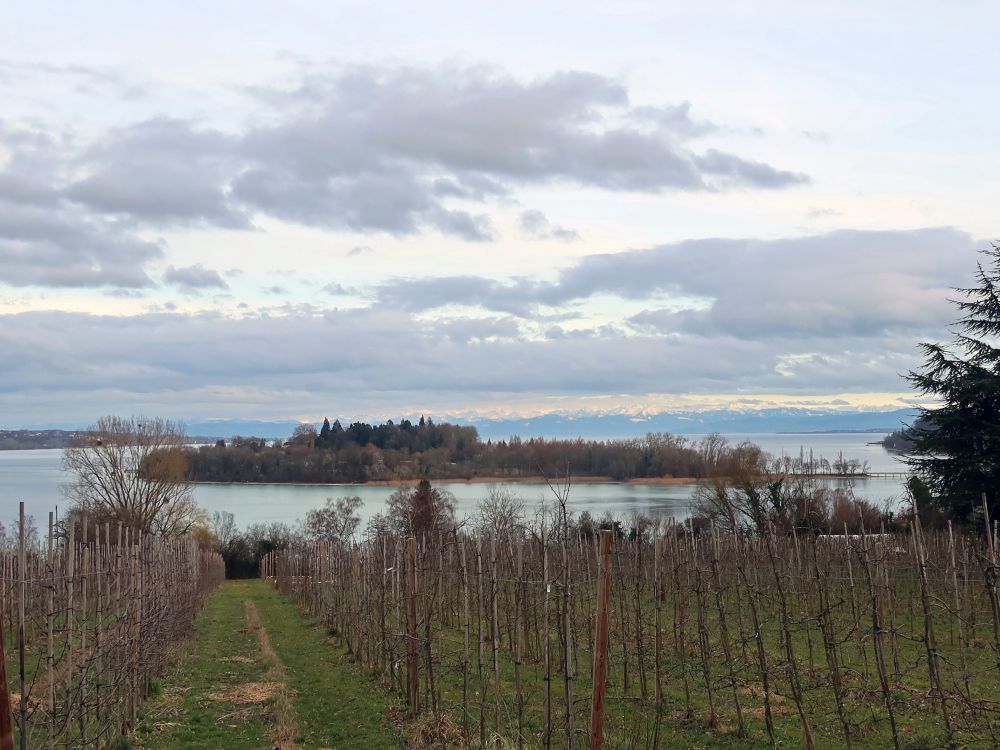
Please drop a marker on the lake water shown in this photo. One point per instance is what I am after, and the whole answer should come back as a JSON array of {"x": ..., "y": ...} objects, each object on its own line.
[{"x": 36, "y": 477}]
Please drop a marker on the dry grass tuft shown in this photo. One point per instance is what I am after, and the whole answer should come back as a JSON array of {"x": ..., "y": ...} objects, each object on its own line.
[
  {"x": 428, "y": 731},
  {"x": 248, "y": 693}
]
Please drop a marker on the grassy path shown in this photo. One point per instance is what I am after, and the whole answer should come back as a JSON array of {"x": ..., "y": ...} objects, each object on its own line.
[{"x": 257, "y": 673}]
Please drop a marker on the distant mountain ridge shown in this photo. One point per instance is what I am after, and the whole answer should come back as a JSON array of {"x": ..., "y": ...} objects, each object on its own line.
[
  {"x": 594, "y": 426},
  {"x": 727, "y": 422},
  {"x": 611, "y": 426}
]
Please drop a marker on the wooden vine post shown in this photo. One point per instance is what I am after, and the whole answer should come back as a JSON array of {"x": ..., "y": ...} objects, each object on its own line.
[
  {"x": 412, "y": 676},
  {"x": 355, "y": 602},
  {"x": 601, "y": 645},
  {"x": 6, "y": 725}
]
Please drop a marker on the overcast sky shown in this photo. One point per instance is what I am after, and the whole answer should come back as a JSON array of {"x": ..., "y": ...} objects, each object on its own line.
[{"x": 262, "y": 210}]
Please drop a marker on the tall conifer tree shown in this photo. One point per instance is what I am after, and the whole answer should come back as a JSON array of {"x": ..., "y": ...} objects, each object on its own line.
[{"x": 957, "y": 441}]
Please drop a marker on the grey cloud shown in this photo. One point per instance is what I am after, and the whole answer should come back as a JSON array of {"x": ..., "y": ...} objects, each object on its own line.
[
  {"x": 194, "y": 277},
  {"x": 739, "y": 171},
  {"x": 466, "y": 330},
  {"x": 46, "y": 240},
  {"x": 26, "y": 191},
  {"x": 518, "y": 298},
  {"x": 362, "y": 203},
  {"x": 572, "y": 126},
  {"x": 564, "y": 235},
  {"x": 161, "y": 172},
  {"x": 367, "y": 149},
  {"x": 676, "y": 119},
  {"x": 536, "y": 224},
  {"x": 469, "y": 187},
  {"x": 392, "y": 149},
  {"x": 366, "y": 352},
  {"x": 358, "y": 250},
  {"x": 555, "y": 332},
  {"x": 124, "y": 293},
  {"x": 846, "y": 283},
  {"x": 473, "y": 228},
  {"x": 67, "y": 249}
]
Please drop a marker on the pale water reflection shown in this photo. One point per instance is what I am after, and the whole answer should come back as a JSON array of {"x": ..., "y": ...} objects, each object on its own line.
[{"x": 36, "y": 477}]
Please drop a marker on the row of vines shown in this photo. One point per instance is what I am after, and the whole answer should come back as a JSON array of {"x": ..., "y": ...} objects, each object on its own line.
[
  {"x": 798, "y": 640},
  {"x": 91, "y": 614}
]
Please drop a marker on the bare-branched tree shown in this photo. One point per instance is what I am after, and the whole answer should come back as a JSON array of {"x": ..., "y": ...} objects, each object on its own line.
[
  {"x": 336, "y": 521},
  {"x": 501, "y": 512},
  {"x": 133, "y": 471},
  {"x": 224, "y": 527}
]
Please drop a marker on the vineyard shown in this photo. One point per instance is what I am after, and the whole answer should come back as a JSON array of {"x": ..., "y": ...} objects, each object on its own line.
[
  {"x": 546, "y": 637},
  {"x": 91, "y": 615}
]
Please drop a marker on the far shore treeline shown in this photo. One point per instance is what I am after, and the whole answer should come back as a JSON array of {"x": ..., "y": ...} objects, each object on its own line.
[{"x": 408, "y": 451}]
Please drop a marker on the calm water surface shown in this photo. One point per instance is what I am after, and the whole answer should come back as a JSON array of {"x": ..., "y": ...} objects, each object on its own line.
[{"x": 36, "y": 477}]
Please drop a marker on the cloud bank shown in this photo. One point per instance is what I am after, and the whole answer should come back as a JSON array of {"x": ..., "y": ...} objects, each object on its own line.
[
  {"x": 834, "y": 313},
  {"x": 365, "y": 149}
]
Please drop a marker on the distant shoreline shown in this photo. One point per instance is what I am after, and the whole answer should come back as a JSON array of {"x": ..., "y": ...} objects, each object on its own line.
[
  {"x": 637, "y": 481},
  {"x": 651, "y": 481}
]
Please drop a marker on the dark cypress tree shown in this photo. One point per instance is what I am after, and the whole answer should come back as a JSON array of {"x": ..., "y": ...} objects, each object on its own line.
[
  {"x": 956, "y": 449},
  {"x": 324, "y": 433}
]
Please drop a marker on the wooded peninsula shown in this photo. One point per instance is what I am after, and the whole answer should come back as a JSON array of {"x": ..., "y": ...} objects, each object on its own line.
[{"x": 407, "y": 451}]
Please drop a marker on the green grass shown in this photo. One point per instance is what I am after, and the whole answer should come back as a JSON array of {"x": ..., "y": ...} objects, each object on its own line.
[
  {"x": 223, "y": 655},
  {"x": 336, "y": 707}
]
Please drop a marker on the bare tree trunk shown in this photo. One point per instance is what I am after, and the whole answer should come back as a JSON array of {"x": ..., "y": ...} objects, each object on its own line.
[
  {"x": 412, "y": 672},
  {"x": 959, "y": 615},
  {"x": 467, "y": 627},
  {"x": 481, "y": 603},
  {"x": 830, "y": 647},
  {"x": 6, "y": 725},
  {"x": 518, "y": 658},
  {"x": 568, "y": 618},
  {"x": 21, "y": 591},
  {"x": 601, "y": 645},
  {"x": 990, "y": 574},
  {"x": 930, "y": 641},
  {"x": 727, "y": 650},
  {"x": 658, "y": 626},
  {"x": 546, "y": 644},
  {"x": 790, "y": 660},
  {"x": 701, "y": 606},
  {"x": 496, "y": 641},
  {"x": 762, "y": 664},
  {"x": 877, "y": 641},
  {"x": 680, "y": 625},
  {"x": 49, "y": 645}
]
